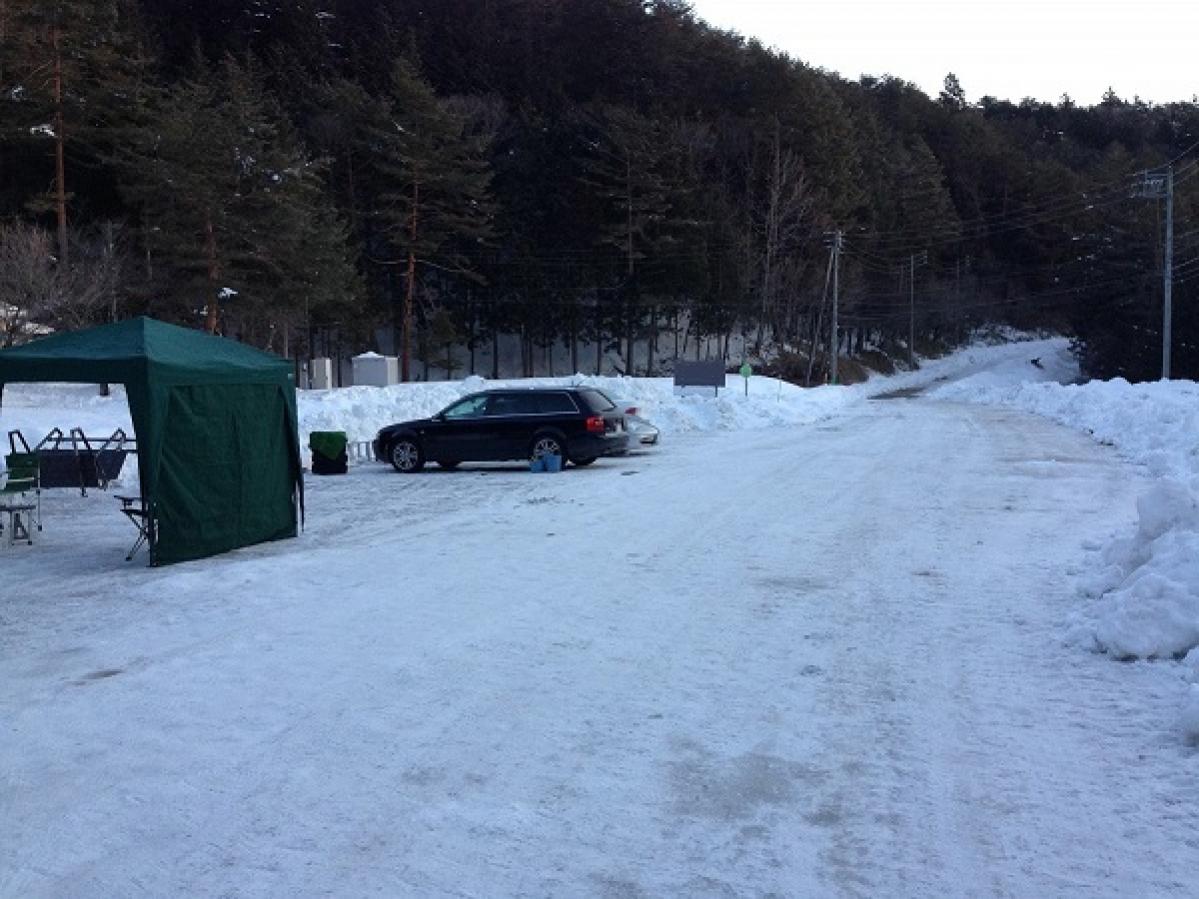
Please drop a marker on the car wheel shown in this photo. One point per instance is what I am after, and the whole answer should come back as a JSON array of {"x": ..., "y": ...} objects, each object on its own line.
[
  {"x": 579, "y": 463},
  {"x": 448, "y": 464},
  {"x": 405, "y": 456},
  {"x": 548, "y": 445}
]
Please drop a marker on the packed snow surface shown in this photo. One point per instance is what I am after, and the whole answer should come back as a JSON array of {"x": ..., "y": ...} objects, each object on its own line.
[{"x": 810, "y": 646}]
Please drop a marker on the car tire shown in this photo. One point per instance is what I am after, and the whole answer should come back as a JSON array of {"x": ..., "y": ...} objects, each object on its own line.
[
  {"x": 548, "y": 444},
  {"x": 448, "y": 464},
  {"x": 405, "y": 455},
  {"x": 580, "y": 463}
]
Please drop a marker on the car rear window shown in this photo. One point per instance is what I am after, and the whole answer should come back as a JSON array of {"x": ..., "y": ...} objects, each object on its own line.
[
  {"x": 555, "y": 402},
  {"x": 597, "y": 401}
]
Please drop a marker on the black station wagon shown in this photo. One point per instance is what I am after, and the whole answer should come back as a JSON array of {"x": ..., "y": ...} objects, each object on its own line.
[{"x": 579, "y": 424}]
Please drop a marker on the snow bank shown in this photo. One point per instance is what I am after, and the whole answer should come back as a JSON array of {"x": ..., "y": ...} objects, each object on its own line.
[
  {"x": 770, "y": 403},
  {"x": 1145, "y": 591},
  {"x": 361, "y": 411},
  {"x": 1149, "y": 605},
  {"x": 1155, "y": 424},
  {"x": 1148, "y": 584},
  {"x": 36, "y": 409}
]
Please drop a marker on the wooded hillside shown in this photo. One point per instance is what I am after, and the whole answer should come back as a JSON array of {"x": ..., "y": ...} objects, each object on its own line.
[{"x": 603, "y": 173}]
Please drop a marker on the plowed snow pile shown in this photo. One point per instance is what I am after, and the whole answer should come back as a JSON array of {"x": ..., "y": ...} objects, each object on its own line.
[{"x": 1143, "y": 597}]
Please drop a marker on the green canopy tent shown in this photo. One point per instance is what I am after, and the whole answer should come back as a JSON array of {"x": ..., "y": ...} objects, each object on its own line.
[{"x": 217, "y": 439}]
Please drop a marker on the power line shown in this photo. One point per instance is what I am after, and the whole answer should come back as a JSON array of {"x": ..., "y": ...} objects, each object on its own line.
[
  {"x": 1072, "y": 197},
  {"x": 987, "y": 226}
]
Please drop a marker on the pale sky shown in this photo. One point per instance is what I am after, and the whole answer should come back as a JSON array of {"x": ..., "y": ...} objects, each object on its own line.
[{"x": 1009, "y": 49}]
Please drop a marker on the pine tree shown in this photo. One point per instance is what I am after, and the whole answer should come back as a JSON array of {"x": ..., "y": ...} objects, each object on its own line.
[
  {"x": 627, "y": 165},
  {"x": 434, "y": 206},
  {"x": 233, "y": 205},
  {"x": 71, "y": 64},
  {"x": 922, "y": 208},
  {"x": 952, "y": 95}
]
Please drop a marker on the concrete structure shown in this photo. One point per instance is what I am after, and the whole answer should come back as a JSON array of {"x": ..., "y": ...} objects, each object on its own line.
[
  {"x": 320, "y": 374},
  {"x": 373, "y": 370}
]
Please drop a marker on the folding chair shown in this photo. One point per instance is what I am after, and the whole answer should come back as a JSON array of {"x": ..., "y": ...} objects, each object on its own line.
[
  {"x": 23, "y": 479},
  {"x": 134, "y": 508}
]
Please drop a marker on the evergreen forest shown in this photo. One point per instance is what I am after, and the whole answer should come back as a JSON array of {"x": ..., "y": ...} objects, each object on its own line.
[{"x": 613, "y": 182}]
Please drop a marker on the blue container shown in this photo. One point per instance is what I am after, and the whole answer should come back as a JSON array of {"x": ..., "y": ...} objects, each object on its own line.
[
  {"x": 553, "y": 464},
  {"x": 537, "y": 463}
]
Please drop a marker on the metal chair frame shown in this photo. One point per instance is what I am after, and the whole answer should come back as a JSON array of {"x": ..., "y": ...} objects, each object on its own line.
[
  {"x": 23, "y": 516},
  {"x": 93, "y": 463}
]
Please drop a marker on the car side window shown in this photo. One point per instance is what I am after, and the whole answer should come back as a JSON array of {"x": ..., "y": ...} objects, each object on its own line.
[
  {"x": 471, "y": 407},
  {"x": 512, "y": 404},
  {"x": 501, "y": 404},
  {"x": 555, "y": 402}
]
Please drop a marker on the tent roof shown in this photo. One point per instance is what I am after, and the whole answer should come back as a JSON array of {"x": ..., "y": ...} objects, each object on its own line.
[{"x": 141, "y": 348}]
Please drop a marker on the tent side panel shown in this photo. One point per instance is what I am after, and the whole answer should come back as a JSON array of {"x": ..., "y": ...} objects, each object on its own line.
[
  {"x": 266, "y": 437},
  {"x": 225, "y": 477}
]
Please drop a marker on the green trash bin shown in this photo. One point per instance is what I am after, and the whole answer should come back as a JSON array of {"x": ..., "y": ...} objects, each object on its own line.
[{"x": 328, "y": 452}]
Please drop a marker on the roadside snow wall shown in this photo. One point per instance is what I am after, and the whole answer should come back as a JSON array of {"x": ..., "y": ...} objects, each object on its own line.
[{"x": 1144, "y": 595}]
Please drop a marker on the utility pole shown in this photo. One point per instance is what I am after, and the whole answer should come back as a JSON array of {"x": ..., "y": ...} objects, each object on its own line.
[
  {"x": 957, "y": 296},
  {"x": 912, "y": 314},
  {"x": 828, "y": 278},
  {"x": 922, "y": 258},
  {"x": 834, "y": 342},
  {"x": 1168, "y": 277},
  {"x": 1156, "y": 186}
]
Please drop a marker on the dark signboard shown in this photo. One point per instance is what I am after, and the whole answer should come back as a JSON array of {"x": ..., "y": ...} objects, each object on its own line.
[{"x": 708, "y": 373}]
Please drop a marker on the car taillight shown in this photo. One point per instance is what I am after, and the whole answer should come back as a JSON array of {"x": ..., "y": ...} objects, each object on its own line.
[
  {"x": 595, "y": 424},
  {"x": 632, "y": 410}
]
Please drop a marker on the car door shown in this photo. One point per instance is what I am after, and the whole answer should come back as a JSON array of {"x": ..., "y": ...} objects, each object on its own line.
[
  {"x": 454, "y": 433},
  {"x": 481, "y": 441},
  {"x": 510, "y": 427}
]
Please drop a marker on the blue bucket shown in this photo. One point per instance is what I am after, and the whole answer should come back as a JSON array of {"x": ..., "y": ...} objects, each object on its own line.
[
  {"x": 537, "y": 463},
  {"x": 553, "y": 464}
]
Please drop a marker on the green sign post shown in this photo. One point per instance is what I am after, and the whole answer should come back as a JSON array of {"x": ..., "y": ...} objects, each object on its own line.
[{"x": 746, "y": 371}]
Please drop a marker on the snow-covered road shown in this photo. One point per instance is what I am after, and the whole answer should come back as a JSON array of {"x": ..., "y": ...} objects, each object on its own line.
[{"x": 804, "y": 662}]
